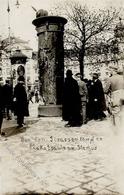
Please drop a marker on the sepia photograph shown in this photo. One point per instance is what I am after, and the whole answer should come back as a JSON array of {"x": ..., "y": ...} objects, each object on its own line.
[{"x": 61, "y": 97}]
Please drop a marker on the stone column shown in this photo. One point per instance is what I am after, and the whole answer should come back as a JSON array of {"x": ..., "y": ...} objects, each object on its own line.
[{"x": 50, "y": 30}]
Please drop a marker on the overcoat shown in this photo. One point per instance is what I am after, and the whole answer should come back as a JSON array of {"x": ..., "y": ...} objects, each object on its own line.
[
  {"x": 97, "y": 103},
  {"x": 71, "y": 100},
  {"x": 8, "y": 94},
  {"x": 21, "y": 103}
]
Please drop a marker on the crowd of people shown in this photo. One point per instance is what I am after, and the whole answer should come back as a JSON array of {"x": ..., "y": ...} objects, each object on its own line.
[{"x": 84, "y": 100}]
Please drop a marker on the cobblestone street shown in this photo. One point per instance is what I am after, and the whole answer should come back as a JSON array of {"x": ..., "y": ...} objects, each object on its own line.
[{"x": 46, "y": 157}]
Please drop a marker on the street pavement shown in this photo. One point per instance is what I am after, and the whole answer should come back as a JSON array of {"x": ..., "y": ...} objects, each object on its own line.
[{"x": 45, "y": 157}]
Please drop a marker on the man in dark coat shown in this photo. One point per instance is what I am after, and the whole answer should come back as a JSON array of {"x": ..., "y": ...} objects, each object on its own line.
[
  {"x": 21, "y": 101},
  {"x": 8, "y": 96},
  {"x": 1, "y": 108},
  {"x": 96, "y": 102},
  {"x": 71, "y": 101}
]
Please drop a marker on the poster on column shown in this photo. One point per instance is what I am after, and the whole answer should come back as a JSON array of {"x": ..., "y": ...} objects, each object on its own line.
[{"x": 62, "y": 106}]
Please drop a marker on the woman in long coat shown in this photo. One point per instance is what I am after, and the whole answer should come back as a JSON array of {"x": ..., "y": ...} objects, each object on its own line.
[{"x": 21, "y": 103}]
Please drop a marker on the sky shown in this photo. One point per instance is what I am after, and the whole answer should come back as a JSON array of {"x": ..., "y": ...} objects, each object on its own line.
[{"x": 21, "y": 18}]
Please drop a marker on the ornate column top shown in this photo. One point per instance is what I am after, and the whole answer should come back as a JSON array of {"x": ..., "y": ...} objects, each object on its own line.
[{"x": 42, "y": 18}]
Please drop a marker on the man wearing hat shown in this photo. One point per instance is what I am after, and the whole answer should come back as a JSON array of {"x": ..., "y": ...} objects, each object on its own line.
[
  {"x": 83, "y": 96},
  {"x": 71, "y": 101},
  {"x": 21, "y": 105},
  {"x": 96, "y": 103}
]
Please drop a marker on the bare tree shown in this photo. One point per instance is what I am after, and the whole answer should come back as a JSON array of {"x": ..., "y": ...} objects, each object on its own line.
[{"x": 86, "y": 28}]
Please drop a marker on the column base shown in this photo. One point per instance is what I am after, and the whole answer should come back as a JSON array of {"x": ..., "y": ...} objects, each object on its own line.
[{"x": 49, "y": 110}]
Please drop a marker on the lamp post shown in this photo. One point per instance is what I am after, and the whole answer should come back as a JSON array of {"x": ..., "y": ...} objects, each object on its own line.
[
  {"x": 8, "y": 10},
  {"x": 9, "y": 36},
  {"x": 17, "y": 4}
]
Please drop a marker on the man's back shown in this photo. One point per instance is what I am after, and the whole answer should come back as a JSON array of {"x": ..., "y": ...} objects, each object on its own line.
[{"x": 82, "y": 90}]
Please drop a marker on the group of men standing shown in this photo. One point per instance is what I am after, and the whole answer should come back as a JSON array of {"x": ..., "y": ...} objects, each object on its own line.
[
  {"x": 13, "y": 101},
  {"x": 83, "y": 100}
]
